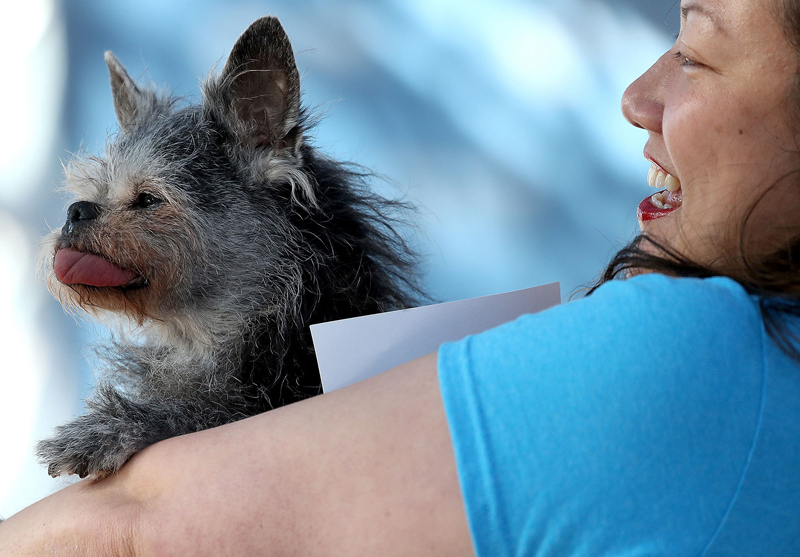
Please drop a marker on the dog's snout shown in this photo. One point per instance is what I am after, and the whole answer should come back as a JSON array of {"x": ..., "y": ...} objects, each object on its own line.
[
  {"x": 79, "y": 212},
  {"x": 83, "y": 210}
]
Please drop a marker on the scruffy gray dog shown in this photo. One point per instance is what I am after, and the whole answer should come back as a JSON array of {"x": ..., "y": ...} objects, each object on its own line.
[{"x": 219, "y": 234}]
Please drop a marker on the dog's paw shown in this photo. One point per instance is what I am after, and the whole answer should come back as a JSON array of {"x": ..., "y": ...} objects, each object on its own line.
[{"x": 86, "y": 446}]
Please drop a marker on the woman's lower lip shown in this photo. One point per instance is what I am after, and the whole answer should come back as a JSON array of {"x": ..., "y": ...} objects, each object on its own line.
[{"x": 648, "y": 211}]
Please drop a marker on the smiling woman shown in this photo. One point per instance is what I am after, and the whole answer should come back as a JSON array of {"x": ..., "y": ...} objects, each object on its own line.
[
  {"x": 721, "y": 108},
  {"x": 575, "y": 431}
]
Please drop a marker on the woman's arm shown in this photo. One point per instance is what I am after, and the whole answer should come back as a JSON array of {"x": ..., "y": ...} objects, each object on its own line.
[{"x": 368, "y": 470}]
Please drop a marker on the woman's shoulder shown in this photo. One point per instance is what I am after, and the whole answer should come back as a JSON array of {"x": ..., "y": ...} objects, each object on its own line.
[
  {"x": 689, "y": 289},
  {"x": 654, "y": 332},
  {"x": 663, "y": 297},
  {"x": 648, "y": 311},
  {"x": 635, "y": 406}
]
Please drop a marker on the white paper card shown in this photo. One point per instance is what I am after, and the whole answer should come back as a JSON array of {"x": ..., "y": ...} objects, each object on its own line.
[{"x": 351, "y": 350}]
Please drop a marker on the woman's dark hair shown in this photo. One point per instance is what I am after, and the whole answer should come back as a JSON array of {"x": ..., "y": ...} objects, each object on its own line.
[{"x": 774, "y": 278}]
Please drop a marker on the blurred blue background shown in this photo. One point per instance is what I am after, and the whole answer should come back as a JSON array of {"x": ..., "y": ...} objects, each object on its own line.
[{"x": 499, "y": 118}]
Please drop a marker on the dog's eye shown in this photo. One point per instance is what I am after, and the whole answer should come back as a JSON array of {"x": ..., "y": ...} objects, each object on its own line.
[{"x": 145, "y": 200}]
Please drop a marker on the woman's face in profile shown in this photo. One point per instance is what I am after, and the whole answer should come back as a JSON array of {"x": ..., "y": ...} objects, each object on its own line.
[{"x": 719, "y": 108}]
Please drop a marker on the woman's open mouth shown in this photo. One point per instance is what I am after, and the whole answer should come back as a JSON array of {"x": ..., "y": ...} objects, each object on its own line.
[{"x": 663, "y": 202}]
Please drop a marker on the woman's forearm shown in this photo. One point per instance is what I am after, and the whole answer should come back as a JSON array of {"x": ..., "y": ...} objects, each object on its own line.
[{"x": 368, "y": 470}]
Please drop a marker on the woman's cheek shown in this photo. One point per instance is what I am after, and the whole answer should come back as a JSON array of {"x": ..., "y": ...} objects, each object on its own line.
[{"x": 692, "y": 137}]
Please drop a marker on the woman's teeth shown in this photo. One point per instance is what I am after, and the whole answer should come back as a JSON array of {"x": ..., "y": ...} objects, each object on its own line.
[
  {"x": 657, "y": 178},
  {"x": 659, "y": 200}
]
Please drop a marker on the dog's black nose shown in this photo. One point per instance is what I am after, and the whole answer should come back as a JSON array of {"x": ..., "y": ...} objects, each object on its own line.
[{"x": 78, "y": 212}]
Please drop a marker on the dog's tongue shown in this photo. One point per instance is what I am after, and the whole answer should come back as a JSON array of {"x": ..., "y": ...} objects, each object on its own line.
[{"x": 77, "y": 267}]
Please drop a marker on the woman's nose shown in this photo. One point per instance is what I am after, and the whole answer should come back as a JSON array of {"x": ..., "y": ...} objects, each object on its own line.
[{"x": 643, "y": 100}]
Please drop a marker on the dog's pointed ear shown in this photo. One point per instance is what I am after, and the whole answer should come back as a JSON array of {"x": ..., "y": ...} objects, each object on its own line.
[
  {"x": 128, "y": 98},
  {"x": 262, "y": 87}
]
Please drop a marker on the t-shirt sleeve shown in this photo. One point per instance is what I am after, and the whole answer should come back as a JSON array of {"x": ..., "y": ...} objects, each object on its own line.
[{"x": 617, "y": 424}]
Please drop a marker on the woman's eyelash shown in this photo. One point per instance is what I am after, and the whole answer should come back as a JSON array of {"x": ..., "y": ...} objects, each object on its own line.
[{"x": 685, "y": 62}]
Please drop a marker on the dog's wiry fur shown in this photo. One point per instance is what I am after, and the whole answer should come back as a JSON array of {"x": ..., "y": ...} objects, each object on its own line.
[{"x": 240, "y": 234}]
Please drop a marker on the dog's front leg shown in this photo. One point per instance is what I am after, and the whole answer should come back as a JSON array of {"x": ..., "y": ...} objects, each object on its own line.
[{"x": 116, "y": 427}]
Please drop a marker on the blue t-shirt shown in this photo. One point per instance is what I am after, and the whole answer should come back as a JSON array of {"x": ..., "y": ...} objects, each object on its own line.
[{"x": 655, "y": 417}]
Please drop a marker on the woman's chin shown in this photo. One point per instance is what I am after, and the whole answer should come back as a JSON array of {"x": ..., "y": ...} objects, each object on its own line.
[
  {"x": 664, "y": 230},
  {"x": 664, "y": 226}
]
